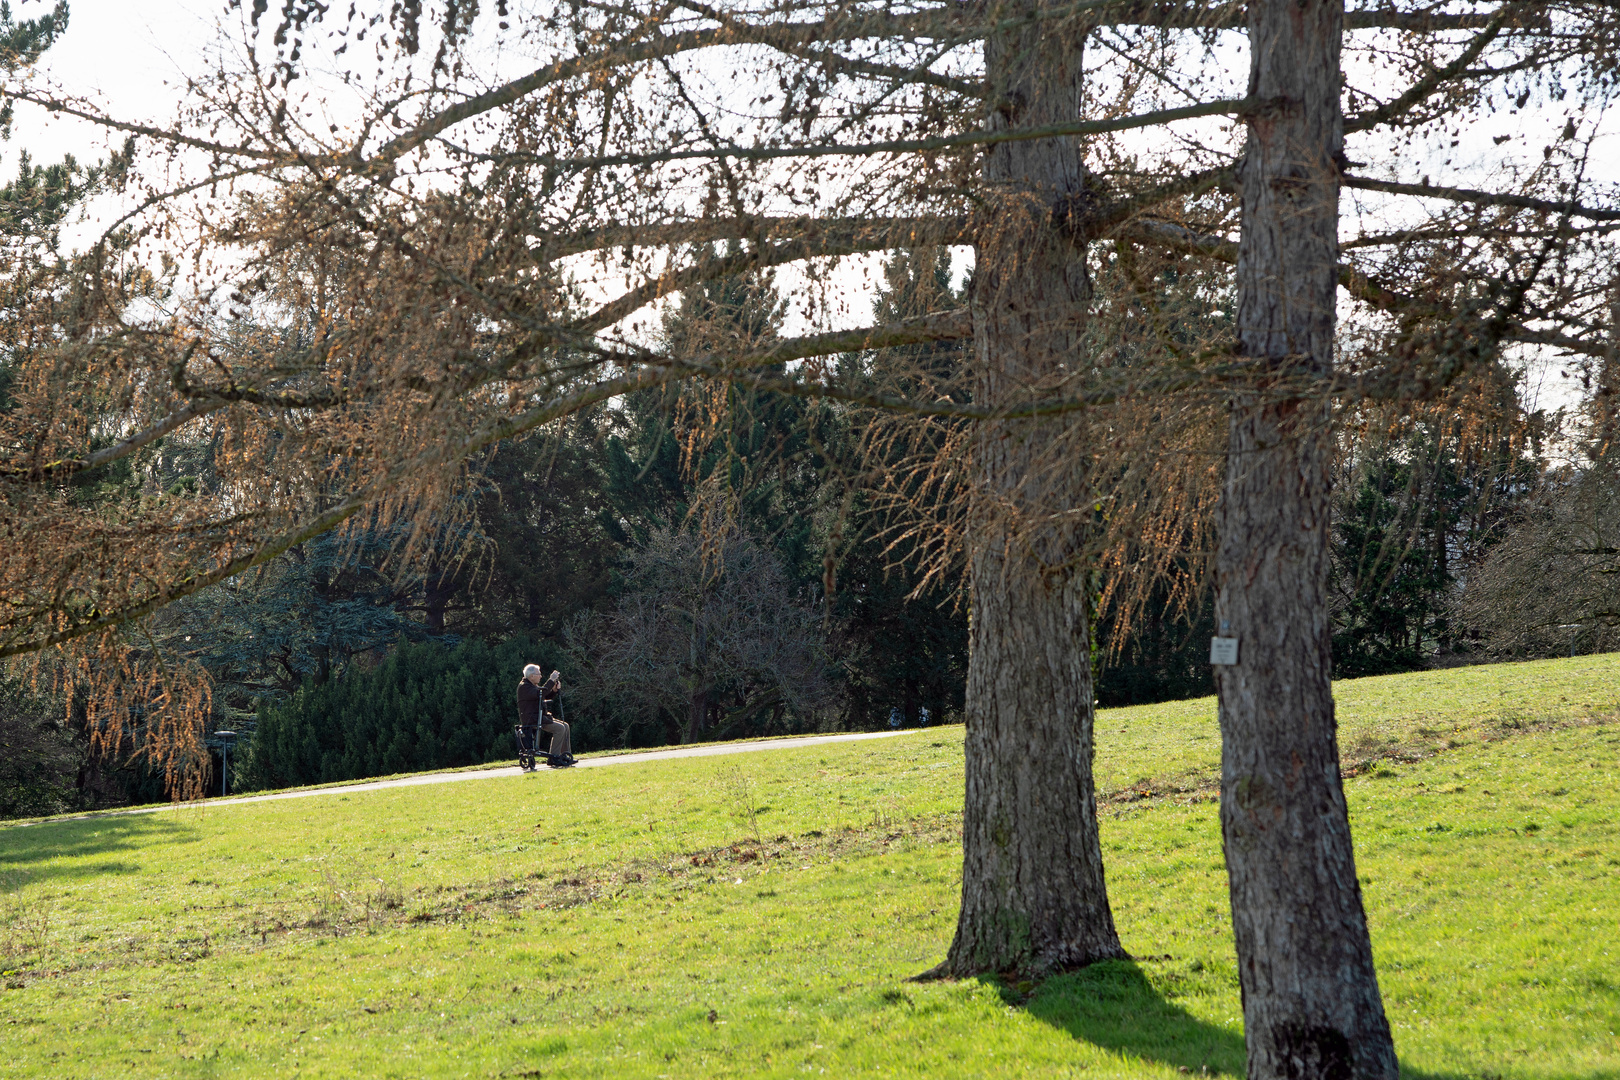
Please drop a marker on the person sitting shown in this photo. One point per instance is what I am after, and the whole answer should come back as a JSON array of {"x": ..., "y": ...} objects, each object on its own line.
[
  {"x": 528, "y": 702},
  {"x": 552, "y": 722}
]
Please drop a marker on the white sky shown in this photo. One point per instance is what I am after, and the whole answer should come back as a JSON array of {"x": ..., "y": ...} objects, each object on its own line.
[
  {"x": 131, "y": 54},
  {"x": 120, "y": 50}
]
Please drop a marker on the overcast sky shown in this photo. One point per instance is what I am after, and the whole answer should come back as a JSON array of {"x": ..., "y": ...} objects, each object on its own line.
[
  {"x": 132, "y": 54},
  {"x": 122, "y": 50}
]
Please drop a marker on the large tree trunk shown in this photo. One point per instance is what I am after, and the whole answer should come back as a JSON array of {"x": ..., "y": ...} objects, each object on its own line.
[
  {"x": 1033, "y": 896},
  {"x": 437, "y": 591},
  {"x": 698, "y": 664},
  {"x": 1311, "y": 1005},
  {"x": 698, "y": 712}
]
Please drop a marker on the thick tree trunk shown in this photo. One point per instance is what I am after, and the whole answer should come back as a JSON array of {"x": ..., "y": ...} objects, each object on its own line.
[
  {"x": 1033, "y": 895},
  {"x": 698, "y": 713},
  {"x": 437, "y": 591},
  {"x": 1311, "y": 1005},
  {"x": 698, "y": 664}
]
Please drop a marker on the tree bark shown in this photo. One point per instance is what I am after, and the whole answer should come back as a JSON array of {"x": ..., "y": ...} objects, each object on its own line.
[
  {"x": 698, "y": 665},
  {"x": 437, "y": 591},
  {"x": 698, "y": 714},
  {"x": 1033, "y": 894},
  {"x": 1311, "y": 1004}
]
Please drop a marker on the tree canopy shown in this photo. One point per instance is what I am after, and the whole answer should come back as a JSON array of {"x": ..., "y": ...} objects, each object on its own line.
[{"x": 507, "y": 219}]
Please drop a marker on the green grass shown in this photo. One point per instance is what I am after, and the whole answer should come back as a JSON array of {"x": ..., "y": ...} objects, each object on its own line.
[{"x": 762, "y": 914}]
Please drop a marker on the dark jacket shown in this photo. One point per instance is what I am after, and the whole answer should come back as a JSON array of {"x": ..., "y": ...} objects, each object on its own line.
[
  {"x": 528, "y": 703},
  {"x": 548, "y": 700}
]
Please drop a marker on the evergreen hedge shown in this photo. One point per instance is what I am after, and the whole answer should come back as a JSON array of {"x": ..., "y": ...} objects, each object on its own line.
[{"x": 427, "y": 706}]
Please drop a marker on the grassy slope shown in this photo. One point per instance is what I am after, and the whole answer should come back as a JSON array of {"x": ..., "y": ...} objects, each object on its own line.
[{"x": 626, "y": 922}]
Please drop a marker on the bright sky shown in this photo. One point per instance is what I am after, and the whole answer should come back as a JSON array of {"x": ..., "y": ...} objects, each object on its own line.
[
  {"x": 119, "y": 50},
  {"x": 131, "y": 56}
]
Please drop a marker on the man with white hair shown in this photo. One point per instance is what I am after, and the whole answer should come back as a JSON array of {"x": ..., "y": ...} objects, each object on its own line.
[{"x": 537, "y": 711}]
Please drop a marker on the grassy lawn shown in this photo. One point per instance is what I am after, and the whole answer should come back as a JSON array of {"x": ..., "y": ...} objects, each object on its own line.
[{"x": 762, "y": 914}]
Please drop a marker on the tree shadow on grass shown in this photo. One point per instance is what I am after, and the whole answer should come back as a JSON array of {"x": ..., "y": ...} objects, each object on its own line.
[
  {"x": 1113, "y": 1005},
  {"x": 68, "y": 850}
]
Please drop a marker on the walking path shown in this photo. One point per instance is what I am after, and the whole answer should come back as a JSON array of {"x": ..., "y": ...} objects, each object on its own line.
[{"x": 714, "y": 750}]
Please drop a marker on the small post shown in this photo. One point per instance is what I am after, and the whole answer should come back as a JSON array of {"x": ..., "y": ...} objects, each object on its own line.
[{"x": 225, "y": 739}]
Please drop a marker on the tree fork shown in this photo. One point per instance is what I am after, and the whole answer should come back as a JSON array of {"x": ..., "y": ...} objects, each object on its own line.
[
  {"x": 1033, "y": 894},
  {"x": 1311, "y": 1004}
]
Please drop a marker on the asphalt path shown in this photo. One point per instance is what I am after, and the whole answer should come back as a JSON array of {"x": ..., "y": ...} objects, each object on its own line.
[{"x": 716, "y": 750}]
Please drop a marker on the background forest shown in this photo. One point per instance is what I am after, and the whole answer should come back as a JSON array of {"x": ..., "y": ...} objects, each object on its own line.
[
  {"x": 739, "y": 584},
  {"x": 704, "y": 560}
]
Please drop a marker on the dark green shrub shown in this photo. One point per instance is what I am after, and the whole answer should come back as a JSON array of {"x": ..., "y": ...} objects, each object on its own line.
[
  {"x": 427, "y": 706},
  {"x": 39, "y": 762}
]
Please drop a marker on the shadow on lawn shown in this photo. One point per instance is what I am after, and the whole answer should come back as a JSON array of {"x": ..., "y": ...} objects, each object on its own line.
[
  {"x": 72, "y": 847},
  {"x": 1114, "y": 1006}
]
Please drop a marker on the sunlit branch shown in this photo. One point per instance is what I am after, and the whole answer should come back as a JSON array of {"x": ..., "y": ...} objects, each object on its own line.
[
  {"x": 885, "y": 232},
  {"x": 1425, "y": 86},
  {"x": 66, "y": 467},
  {"x": 1222, "y": 107},
  {"x": 1483, "y": 198}
]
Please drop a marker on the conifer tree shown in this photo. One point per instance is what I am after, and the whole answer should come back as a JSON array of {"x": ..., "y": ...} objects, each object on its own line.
[{"x": 841, "y": 130}]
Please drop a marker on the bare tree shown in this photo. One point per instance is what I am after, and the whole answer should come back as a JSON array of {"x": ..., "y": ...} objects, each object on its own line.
[
  {"x": 709, "y": 635},
  {"x": 1551, "y": 584},
  {"x": 1033, "y": 896}
]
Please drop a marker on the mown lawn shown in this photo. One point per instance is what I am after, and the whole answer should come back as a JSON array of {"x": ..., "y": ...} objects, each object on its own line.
[{"x": 762, "y": 914}]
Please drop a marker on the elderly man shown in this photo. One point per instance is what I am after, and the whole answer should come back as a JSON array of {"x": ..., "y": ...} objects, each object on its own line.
[{"x": 538, "y": 711}]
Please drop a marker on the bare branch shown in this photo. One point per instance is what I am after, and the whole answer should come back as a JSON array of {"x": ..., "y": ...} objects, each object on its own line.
[
  {"x": 661, "y": 45},
  {"x": 870, "y": 234},
  {"x": 1180, "y": 238},
  {"x": 56, "y": 105},
  {"x": 1483, "y": 198},
  {"x": 1220, "y": 107},
  {"x": 68, "y": 466},
  {"x": 1425, "y": 86}
]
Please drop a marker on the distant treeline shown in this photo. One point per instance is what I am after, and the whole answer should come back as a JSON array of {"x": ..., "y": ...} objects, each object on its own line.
[
  {"x": 427, "y": 706},
  {"x": 597, "y": 548}
]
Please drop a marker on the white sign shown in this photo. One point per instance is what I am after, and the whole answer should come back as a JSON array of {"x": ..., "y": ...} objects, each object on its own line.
[{"x": 1223, "y": 650}]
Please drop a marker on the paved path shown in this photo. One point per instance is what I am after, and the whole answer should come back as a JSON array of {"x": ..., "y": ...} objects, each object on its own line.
[{"x": 713, "y": 750}]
